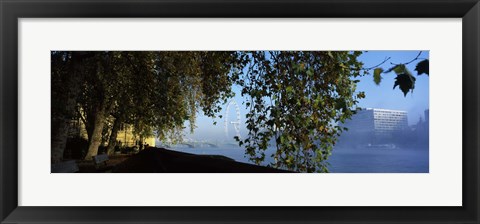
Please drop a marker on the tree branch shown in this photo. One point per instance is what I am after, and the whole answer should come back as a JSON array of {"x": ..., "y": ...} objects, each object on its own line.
[
  {"x": 416, "y": 58},
  {"x": 376, "y": 66}
]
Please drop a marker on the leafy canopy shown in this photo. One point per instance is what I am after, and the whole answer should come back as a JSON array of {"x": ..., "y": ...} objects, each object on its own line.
[{"x": 296, "y": 101}]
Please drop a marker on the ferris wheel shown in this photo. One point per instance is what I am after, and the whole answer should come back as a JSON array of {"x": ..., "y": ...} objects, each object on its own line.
[{"x": 236, "y": 121}]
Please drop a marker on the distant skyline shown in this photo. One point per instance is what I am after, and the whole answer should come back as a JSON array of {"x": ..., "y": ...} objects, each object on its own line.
[{"x": 381, "y": 96}]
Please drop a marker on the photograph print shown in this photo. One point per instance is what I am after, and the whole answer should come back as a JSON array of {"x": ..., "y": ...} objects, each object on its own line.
[{"x": 240, "y": 111}]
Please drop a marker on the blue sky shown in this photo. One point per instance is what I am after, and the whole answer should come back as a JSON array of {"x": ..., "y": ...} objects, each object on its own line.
[
  {"x": 383, "y": 95},
  {"x": 377, "y": 96}
]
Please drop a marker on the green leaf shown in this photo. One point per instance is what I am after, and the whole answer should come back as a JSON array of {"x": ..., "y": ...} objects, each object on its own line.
[
  {"x": 329, "y": 53},
  {"x": 398, "y": 69},
  {"x": 405, "y": 82},
  {"x": 377, "y": 78},
  {"x": 340, "y": 104},
  {"x": 289, "y": 89},
  {"x": 423, "y": 67},
  {"x": 310, "y": 72}
]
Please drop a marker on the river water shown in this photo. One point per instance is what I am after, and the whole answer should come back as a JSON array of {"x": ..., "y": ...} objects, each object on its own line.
[{"x": 344, "y": 160}]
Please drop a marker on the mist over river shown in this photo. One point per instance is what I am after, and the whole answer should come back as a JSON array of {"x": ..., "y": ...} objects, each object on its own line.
[{"x": 342, "y": 160}]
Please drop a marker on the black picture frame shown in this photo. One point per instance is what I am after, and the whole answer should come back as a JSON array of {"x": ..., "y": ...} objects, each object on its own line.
[{"x": 11, "y": 11}]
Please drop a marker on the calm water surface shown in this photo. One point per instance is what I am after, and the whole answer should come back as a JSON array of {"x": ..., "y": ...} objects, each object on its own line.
[{"x": 344, "y": 160}]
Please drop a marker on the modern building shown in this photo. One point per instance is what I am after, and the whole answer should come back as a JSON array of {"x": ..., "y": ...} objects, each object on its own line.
[{"x": 374, "y": 125}]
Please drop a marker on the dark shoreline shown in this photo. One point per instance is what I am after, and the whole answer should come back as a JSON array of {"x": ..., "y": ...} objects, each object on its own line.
[{"x": 161, "y": 160}]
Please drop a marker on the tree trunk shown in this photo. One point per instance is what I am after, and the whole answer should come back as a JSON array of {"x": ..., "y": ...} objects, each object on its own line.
[
  {"x": 60, "y": 126},
  {"x": 112, "y": 142},
  {"x": 105, "y": 136},
  {"x": 90, "y": 125},
  {"x": 60, "y": 123},
  {"x": 96, "y": 137},
  {"x": 59, "y": 132}
]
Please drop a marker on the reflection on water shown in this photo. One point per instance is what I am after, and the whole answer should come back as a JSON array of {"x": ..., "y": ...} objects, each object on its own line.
[
  {"x": 379, "y": 161},
  {"x": 359, "y": 160}
]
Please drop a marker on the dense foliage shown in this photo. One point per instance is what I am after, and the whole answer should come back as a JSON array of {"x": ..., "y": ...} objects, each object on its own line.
[
  {"x": 152, "y": 91},
  {"x": 297, "y": 101}
]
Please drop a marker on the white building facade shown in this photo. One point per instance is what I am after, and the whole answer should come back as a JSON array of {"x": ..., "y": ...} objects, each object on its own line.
[{"x": 376, "y": 125}]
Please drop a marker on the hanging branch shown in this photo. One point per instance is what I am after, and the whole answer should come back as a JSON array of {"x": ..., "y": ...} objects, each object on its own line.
[
  {"x": 376, "y": 66},
  {"x": 416, "y": 58}
]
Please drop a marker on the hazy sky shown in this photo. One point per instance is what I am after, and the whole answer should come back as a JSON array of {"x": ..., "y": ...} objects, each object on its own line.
[{"x": 381, "y": 96}]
